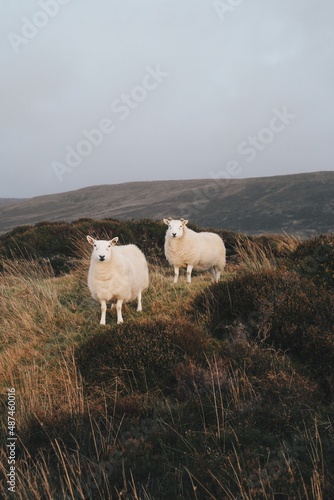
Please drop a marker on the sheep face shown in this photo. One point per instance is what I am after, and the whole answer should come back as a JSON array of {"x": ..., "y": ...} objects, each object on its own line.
[
  {"x": 101, "y": 248},
  {"x": 175, "y": 227}
]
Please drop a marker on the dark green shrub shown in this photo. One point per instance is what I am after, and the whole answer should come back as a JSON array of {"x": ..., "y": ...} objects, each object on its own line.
[
  {"x": 148, "y": 235},
  {"x": 42, "y": 240},
  {"x": 314, "y": 259},
  {"x": 51, "y": 241},
  {"x": 142, "y": 356},
  {"x": 61, "y": 242},
  {"x": 279, "y": 308}
]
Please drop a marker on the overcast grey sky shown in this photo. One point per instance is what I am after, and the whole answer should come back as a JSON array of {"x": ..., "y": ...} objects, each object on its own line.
[{"x": 110, "y": 91}]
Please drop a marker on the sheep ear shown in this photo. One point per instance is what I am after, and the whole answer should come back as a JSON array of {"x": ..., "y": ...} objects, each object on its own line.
[
  {"x": 90, "y": 240},
  {"x": 114, "y": 241},
  {"x": 167, "y": 221},
  {"x": 184, "y": 222}
]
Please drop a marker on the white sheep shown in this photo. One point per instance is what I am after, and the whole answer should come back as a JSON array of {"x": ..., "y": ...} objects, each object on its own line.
[
  {"x": 116, "y": 273},
  {"x": 200, "y": 251}
]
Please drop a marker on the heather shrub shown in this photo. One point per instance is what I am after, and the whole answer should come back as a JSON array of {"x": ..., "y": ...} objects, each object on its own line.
[
  {"x": 45, "y": 241},
  {"x": 42, "y": 240},
  {"x": 249, "y": 385},
  {"x": 60, "y": 242},
  {"x": 142, "y": 356},
  {"x": 314, "y": 259},
  {"x": 279, "y": 308},
  {"x": 146, "y": 234}
]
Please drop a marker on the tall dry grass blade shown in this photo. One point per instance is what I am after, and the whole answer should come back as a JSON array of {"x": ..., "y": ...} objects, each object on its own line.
[
  {"x": 194, "y": 487},
  {"x": 65, "y": 467},
  {"x": 218, "y": 402}
]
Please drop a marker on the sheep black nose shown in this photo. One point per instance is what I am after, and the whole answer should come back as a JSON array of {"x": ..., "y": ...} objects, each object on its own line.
[
  {"x": 101, "y": 257},
  {"x": 173, "y": 234}
]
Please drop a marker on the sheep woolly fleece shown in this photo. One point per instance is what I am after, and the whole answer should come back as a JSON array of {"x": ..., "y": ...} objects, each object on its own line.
[
  {"x": 116, "y": 273},
  {"x": 200, "y": 251}
]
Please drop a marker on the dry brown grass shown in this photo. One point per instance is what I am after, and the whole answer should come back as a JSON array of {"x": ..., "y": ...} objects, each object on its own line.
[
  {"x": 261, "y": 254},
  {"x": 34, "y": 323}
]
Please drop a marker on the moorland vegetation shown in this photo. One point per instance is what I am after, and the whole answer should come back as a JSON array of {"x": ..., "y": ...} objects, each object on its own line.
[{"x": 218, "y": 390}]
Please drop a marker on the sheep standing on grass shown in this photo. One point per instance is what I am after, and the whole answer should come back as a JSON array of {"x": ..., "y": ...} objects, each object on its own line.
[
  {"x": 200, "y": 251},
  {"x": 116, "y": 274}
]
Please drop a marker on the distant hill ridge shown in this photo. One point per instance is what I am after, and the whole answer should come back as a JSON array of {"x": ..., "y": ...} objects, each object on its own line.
[{"x": 296, "y": 203}]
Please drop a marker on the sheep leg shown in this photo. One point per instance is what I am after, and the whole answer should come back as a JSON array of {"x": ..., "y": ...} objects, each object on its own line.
[
  {"x": 176, "y": 274},
  {"x": 119, "y": 311},
  {"x": 139, "y": 306},
  {"x": 103, "y": 312},
  {"x": 215, "y": 274},
  {"x": 189, "y": 270}
]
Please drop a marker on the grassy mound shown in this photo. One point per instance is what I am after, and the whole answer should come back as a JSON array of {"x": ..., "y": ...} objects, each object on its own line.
[
  {"x": 280, "y": 308},
  {"x": 141, "y": 356}
]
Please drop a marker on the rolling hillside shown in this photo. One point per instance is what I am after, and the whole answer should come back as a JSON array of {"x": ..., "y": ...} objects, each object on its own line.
[{"x": 298, "y": 203}]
